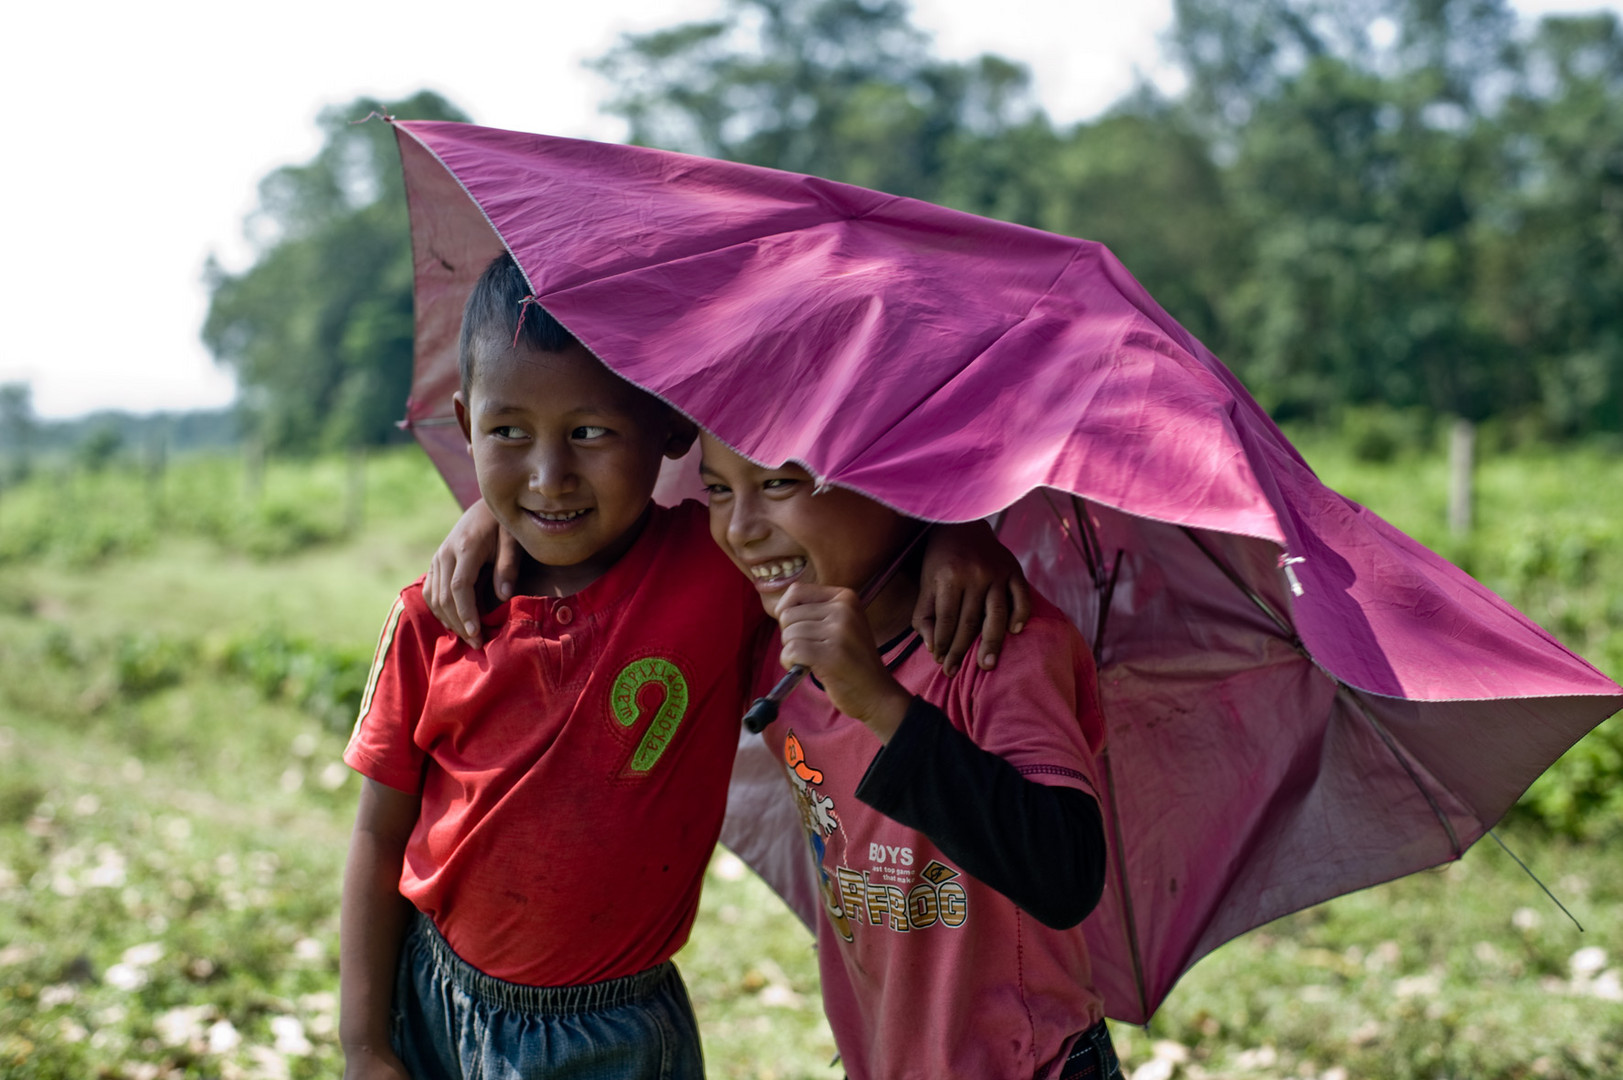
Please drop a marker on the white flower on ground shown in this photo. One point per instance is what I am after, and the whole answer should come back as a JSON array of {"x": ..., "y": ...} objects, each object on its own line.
[
  {"x": 268, "y": 1064},
  {"x": 323, "y": 1013},
  {"x": 108, "y": 873},
  {"x": 181, "y": 1025},
  {"x": 308, "y": 950},
  {"x": 289, "y": 1035},
  {"x": 223, "y": 1037},
  {"x": 1155, "y": 1069},
  {"x": 1418, "y": 986},
  {"x": 1167, "y": 1050},
  {"x": 1588, "y": 962},
  {"x": 60, "y": 994},
  {"x": 1263, "y": 1057},
  {"x": 126, "y": 977},
  {"x": 1383, "y": 956},
  {"x": 1608, "y": 986},
  {"x": 728, "y": 867},
  {"x": 144, "y": 955},
  {"x": 333, "y": 776},
  {"x": 1525, "y": 919}
]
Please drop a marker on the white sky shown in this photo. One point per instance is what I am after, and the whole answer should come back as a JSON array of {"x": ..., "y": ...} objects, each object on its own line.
[{"x": 139, "y": 133}]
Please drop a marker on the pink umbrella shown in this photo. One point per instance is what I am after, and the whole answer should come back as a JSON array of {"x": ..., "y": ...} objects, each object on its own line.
[{"x": 1301, "y": 701}]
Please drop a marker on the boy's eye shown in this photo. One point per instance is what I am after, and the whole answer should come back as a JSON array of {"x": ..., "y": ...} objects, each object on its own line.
[
  {"x": 716, "y": 490},
  {"x": 588, "y": 431},
  {"x": 507, "y": 431},
  {"x": 781, "y": 483}
]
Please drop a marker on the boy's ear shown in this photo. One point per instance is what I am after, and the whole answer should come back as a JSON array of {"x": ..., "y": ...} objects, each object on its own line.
[
  {"x": 463, "y": 420},
  {"x": 682, "y": 435}
]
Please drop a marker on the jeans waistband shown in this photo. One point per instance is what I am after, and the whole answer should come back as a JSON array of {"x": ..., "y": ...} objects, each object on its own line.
[
  {"x": 586, "y": 997},
  {"x": 1092, "y": 1056}
]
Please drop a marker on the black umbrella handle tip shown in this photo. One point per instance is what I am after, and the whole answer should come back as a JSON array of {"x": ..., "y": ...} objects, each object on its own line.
[{"x": 762, "y": 713}]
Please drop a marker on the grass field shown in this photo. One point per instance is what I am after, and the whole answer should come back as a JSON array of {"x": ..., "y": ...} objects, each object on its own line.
[{"x": 180, "y": 658}]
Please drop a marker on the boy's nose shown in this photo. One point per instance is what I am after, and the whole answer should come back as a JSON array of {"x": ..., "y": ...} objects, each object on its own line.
[
  {"x": 746, "y": 525},
  {"x": 552, "y": 473}
]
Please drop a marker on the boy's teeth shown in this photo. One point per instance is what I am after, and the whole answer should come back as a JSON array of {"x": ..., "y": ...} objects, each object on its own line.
[
  {"x": 570, "y": 516},
  {"x": 774, "y": 570}
]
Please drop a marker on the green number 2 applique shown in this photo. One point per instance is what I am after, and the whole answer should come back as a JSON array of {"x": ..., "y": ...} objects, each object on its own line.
[{"x": 623, "y": 699}]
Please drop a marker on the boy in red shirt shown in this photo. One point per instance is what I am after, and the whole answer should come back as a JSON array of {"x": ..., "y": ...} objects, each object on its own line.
[
  {"x": 537, "y": 814},
  {"x": 952, "y": 816}
]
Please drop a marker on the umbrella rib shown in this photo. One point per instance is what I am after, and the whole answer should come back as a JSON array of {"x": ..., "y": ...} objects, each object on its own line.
[
  {"x": 1081, "y": 544},
  {"x": 1402, "y": 759},
  {"x": 1091, "y": 538},
  {"x": 1119, "y": 853},
  {"x": 1363, "y": 709},
  {"x": 1087, "y": 543},
  {"x": 1262, "y": 605}
]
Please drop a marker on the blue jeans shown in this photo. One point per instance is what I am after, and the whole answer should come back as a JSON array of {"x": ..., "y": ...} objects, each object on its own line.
[{"x": 454, "y": 1022}]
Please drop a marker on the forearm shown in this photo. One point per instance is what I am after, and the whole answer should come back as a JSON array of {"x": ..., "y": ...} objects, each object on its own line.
[
  {"x": 1040, "y": 845},
  {"x": 372, "y": 923}
]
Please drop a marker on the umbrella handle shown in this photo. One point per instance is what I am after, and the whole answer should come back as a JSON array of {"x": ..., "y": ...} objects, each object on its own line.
[{"x": 765, "y": 709}]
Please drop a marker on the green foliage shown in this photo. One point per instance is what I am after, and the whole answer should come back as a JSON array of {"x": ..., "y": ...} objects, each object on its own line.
[
  {"x": 99, "y": 450},
  {"x": 841, "y": 88},
  {"x": 319, "y": 329},
  {"x": 18, "y": 426},
  {"x": 321, "y": 679},
  {"x": 83, "y": 516},
  {"x": 173, "y": 811}
]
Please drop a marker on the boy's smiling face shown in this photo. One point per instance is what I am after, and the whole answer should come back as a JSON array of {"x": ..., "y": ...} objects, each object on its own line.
[
  {"x": 567, "y": 454},
  {"x": 778, "y": 532}
]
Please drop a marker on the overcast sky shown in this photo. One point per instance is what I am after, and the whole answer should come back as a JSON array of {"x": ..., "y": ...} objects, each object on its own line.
[{"x": 140, "y": 131}]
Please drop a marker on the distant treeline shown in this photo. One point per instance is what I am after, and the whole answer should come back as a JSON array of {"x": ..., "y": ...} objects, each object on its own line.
[
  {"x": 1413, "y": 206},
  {"x": 110, "y": 434}
]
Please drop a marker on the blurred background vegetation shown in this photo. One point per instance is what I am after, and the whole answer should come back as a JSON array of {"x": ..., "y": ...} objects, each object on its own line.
[{"x": 1385, "y": 215}]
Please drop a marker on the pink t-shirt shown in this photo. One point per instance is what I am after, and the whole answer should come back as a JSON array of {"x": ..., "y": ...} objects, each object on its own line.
[{"x": 927, "y": 972}]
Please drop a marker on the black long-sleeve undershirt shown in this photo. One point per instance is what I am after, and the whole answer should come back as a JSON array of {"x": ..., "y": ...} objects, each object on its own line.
[{"x": 1040, "y": 845}]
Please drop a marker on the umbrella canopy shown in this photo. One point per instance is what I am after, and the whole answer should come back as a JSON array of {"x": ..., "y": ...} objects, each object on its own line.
[{"x": 1300, "y": 701}]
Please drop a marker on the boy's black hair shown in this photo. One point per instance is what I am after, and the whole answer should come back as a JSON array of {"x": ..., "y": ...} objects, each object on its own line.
[{"x": 491, "y": 318}]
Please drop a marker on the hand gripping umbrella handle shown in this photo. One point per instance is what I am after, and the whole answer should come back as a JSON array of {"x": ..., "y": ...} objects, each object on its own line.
[{"x": 765, "y": 709}]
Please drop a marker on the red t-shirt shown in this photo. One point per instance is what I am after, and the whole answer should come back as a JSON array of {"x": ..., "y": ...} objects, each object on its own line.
[
  {"x": 927, "y": 972},
  {"x": 574, "y": 771}
]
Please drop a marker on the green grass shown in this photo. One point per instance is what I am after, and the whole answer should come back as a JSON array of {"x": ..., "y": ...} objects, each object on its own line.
[{"x": 175, "y": 692}]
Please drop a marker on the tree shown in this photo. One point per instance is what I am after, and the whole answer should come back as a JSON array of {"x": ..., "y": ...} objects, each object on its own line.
[
  {"x": 1552, "y": 287},
  {"x": 319, "y": 328},
  {"x": 1356, "y": 159},
  {"x": 839, "y": 88},
  {"x": 18, "y": 427}
]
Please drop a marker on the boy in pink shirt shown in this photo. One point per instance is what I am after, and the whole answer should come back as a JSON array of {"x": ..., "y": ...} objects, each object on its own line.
[{"x": 958, "y": 841}]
